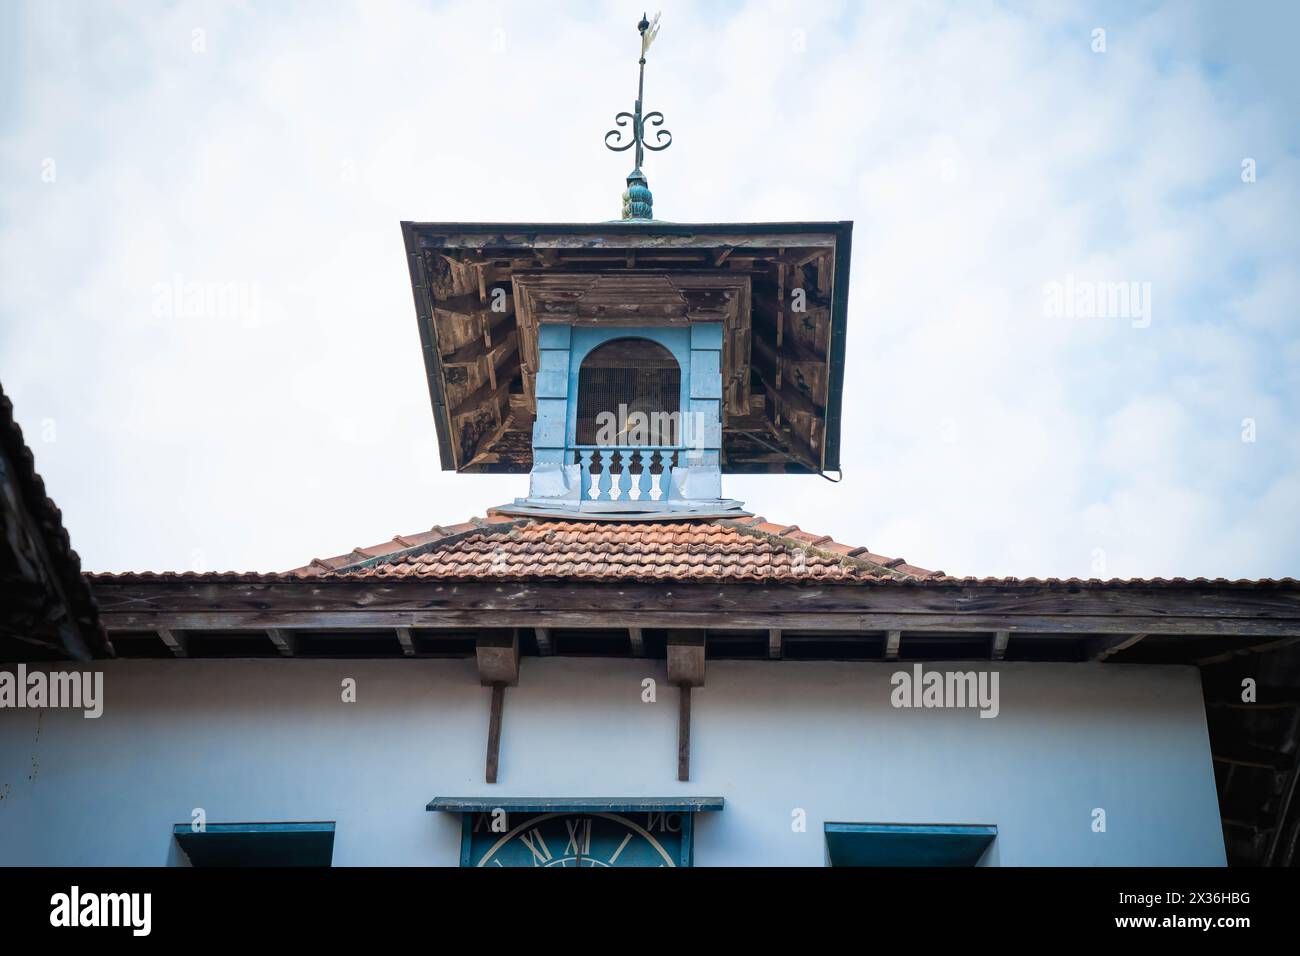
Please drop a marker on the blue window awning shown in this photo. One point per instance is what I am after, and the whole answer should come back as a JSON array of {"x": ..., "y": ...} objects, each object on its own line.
[
  {"x": 575, "y": 804},
  {"x": 903, "y": 844},
  {"x": 257, "y": 844}
]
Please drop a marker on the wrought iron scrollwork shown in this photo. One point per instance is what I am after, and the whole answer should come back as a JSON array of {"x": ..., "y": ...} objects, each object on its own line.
[
  {"x": 656, "y": 119},
  {"x": 621, "y": 121}
]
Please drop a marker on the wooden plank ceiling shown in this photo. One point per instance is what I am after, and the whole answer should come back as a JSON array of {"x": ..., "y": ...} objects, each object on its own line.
[{"x": 480, "y": 298}]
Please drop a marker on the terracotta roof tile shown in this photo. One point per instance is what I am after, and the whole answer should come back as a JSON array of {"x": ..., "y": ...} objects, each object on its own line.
[
  {"x": 717, "y": 550},
  {"x": 708, "y": 550}
]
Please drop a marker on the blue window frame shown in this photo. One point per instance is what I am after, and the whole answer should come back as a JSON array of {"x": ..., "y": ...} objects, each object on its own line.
[
  {"x": 563, "y": 832},
  {"x": 907, "y": 844},
  {"x": 257, "y": 844}
]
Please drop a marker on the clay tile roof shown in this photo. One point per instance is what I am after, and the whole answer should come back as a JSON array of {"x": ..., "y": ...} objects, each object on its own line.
[{"x": 706, "y": 550}]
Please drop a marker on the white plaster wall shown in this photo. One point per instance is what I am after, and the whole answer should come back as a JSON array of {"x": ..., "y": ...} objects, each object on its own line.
[{"x": 272, "y": 741}]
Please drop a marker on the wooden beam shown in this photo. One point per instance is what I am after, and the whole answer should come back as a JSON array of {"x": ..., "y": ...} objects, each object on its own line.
[
  {"x": 1106, "y": 648},
  {"x": 487, "y": 393},
  {"x": 213, "y": 602},
  {"x": 767, "y": 364},
  {"x": 498, "y": 658},
  {"x": 464, "y": 302},
  {"x": 467, "y": 615},
  {"x": 544, "y": 646},
  {"x": 176, "y": 642},
  {"x": 636, "y": 641},
  {"x": 686, "y": 658},
  {"x": 1261, "y": 758},
  {"x": 536, "y": 240},
  {"x": 893, "y": 640},
  {"x": 684, "y": 733},
  {"x": 475, "y": 350},
  {"x": 494, "y": 732},
  {"x": 407, "y": 642},
  {"x": 282, "y": 640},
  {"x": 774, "y": 649},
  {"x": 378, "y": 619},
  {"x": 1243, "y": 651},
  {"x": 1000, "y": 641}
]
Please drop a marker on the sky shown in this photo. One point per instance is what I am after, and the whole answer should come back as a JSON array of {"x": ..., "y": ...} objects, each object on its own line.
[{"x": 1004, "y": 164}]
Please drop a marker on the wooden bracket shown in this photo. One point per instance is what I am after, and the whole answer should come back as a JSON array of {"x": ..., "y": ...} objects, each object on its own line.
[
  {"x": 283, "y": 641},
  {"x": 176, "y": 643},
  {"x": 1101, "y": 649},
  {"x": 498, "y": 658},
  {"x": 686, "y": 658},
  {"x": 686, "y": 670},
  {"x": 498, "y": 668},
  {"x": 494, "y": 732},
  {"x": 684, "y": 733}
]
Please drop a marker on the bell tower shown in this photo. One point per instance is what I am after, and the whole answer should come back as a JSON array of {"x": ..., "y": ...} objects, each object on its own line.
[{"x": 628, "y": 365}]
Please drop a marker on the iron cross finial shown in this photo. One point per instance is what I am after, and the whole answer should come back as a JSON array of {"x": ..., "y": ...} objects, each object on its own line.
[{"x": 637, "y": 201}]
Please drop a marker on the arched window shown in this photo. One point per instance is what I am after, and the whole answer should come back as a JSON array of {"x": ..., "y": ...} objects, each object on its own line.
[{"x": 629, "y": 394}]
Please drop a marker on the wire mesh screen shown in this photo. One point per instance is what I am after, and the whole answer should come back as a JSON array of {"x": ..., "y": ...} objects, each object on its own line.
[{"x": 629, "y": 394}]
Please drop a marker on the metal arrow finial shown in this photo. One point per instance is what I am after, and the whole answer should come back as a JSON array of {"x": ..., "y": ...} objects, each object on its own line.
[{"x": 637, "y": 200}]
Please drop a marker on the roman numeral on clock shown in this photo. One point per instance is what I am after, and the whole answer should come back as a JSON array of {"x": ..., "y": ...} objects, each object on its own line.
[
  {"x": 533, "y": 840},
  {"x": 579, "y": 836}
]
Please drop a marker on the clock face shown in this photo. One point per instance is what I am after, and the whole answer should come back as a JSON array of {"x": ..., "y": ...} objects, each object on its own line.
[{"x": 577, "y": 839}]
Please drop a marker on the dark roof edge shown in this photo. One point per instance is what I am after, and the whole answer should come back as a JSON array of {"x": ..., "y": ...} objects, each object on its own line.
[
  {"x": 54, "y": 544},
  {"x": 428, "y": 344},
  {"x": 652, "y": 227},
  {"x": 838, "y": 348},
  {"x": 109, "y": 578}
]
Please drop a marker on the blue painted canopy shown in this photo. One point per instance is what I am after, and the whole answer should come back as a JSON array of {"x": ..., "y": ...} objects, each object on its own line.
[
  {"x": 575, "y": 804},
  {"x": 257, "y": 844},
  {"x": 891, "y": 844}
]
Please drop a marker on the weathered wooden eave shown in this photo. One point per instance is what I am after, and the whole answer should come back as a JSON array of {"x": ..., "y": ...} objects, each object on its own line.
[
  {"x": 479, "y": 428},
  {"x": 1212, "y": 618}
]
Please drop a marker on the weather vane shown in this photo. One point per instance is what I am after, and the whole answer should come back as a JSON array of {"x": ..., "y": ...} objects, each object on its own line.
[{"x": 637, "y": 200}]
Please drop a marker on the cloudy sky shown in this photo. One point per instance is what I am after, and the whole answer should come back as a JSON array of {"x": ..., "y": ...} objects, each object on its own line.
[{"x": 991, "y": 156}]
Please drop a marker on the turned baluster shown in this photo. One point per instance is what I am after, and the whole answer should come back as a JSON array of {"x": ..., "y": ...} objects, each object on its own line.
[
  {"x": 645, "y": 480},
  {"x": 627, "y": 481},
  {"x": 605, "y": 479}
]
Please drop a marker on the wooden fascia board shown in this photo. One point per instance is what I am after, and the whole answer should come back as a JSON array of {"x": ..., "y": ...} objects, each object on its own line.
[{"x": 387, "y": 603}]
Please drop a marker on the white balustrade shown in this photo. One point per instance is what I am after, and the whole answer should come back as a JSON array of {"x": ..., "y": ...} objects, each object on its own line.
[{"x": 613, "y": 473}]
